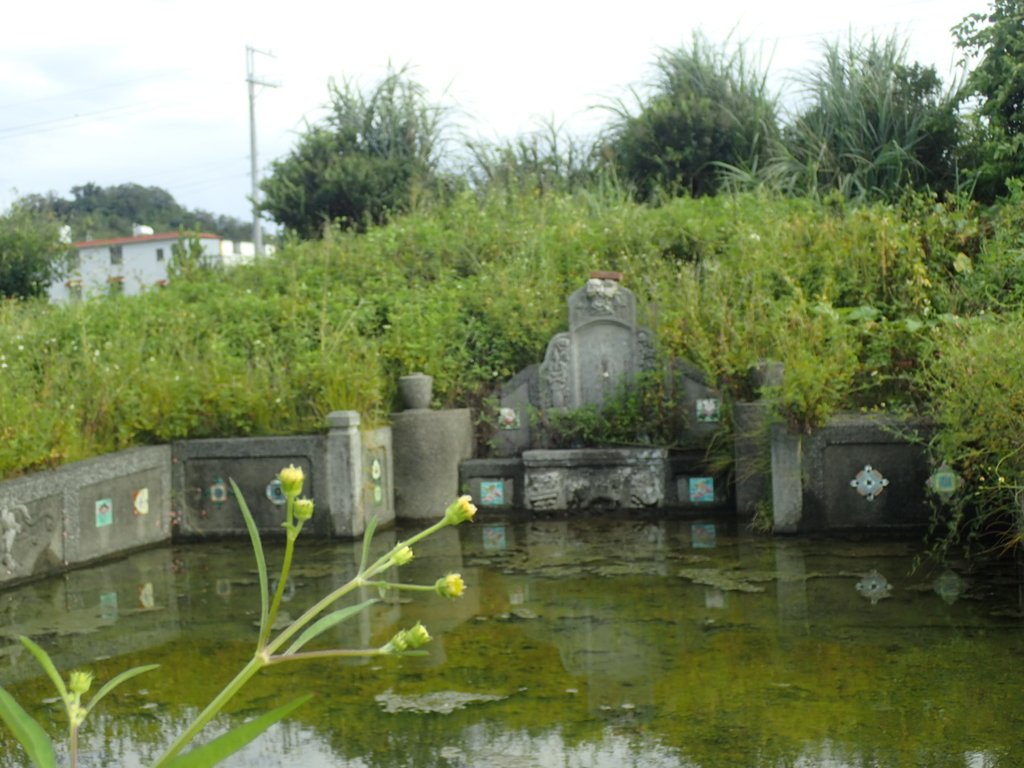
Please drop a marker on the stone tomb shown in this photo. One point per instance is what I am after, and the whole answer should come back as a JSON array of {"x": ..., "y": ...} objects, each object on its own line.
[{"x": 602, "y": 350}]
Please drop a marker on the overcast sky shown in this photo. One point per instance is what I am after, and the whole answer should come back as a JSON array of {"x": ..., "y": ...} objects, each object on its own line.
[{"x": 153, "y": 91}]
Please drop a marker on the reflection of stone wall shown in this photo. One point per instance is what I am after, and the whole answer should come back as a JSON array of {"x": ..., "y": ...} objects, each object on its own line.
[{"x": 622, "y": 478}]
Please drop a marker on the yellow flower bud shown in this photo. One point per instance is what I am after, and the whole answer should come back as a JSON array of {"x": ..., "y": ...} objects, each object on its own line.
[
  {"x": 407, "y": 639},
  {"x": 303, "y": 509},
  {"x": 398, "y": 643},
  {"x": 79, "y": 681},
  {"x": 461, "y": 510},
  {"x": 450, "y": 586},
  {"x": 402, "y": 556},
  {"x": 417, "y": 635},
  {"x": 291, "y": 478}
]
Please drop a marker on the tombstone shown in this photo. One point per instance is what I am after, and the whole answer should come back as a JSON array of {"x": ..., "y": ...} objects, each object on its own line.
[{"x": 602, "y": 350}]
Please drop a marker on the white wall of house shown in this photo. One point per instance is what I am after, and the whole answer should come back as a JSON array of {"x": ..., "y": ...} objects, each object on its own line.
[{"x": 133, "y": 265}]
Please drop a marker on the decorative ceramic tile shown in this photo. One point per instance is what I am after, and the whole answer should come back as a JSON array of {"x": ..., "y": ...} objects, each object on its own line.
[
  {"x": 140, "y": 502},
  {"x": 275, "y": 493},
  {"x": 949, "y": 585},
  {"x": 495, "y": 538},
  {"x": 944, "y": 482},
  {"x": 703, "y": 536},
  {"x": 146, "y": 601},
  {"x": 377, "y": 480},
  {"x": 218, "y": 491},
  {"x": 108, "y": 606},
  {"x": 869, "y": 482},
  {"x": 874, "y": 586},
  {"x": 702, "y": 490},
  {"x": 104, "y": 512},
  {"x": 508, "y": 418},
  {"x": 492, "y": 493},
  {"x": 709, "y": 409}
]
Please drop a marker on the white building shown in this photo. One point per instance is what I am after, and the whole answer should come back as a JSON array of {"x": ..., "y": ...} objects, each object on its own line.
[{"x": 132, "y": 265}]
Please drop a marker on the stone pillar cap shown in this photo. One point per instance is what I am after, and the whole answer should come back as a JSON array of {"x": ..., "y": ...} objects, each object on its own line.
[{"x": 343, "y": 419}]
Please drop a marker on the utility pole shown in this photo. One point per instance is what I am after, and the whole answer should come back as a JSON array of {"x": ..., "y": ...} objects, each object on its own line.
[{"x": 250, "y": 78}]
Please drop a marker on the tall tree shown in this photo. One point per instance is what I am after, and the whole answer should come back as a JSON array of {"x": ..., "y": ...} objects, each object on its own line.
[
  {"x": 31, "y": 252},
  {"x": 996, "y": 84},
  {"x": 873, "y": 125},
  {"x": 706, "y": 108},
  {"x": 96, "y": 212},
  {"x": 368, "y": 158}
]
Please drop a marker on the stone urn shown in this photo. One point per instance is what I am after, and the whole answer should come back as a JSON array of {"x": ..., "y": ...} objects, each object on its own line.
[{"x": 416, "y": 390}]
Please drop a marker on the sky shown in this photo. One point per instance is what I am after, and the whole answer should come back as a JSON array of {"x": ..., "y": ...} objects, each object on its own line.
[{"x": 154, "y": 92}]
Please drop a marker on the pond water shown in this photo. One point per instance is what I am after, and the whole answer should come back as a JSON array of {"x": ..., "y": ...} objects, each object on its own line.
[{"x": 580, "y": 643}]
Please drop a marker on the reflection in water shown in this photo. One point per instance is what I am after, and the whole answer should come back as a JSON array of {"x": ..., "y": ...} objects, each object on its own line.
[
  {"x": 579, "y": 643},
  {"x": 874, "y": 586}
]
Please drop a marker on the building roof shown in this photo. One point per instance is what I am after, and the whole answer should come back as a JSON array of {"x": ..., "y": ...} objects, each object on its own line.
[{"x": 142, "y": 239}]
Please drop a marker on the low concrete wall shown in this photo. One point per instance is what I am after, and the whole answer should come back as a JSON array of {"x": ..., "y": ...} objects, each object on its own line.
[
  {"x": 348, "y": 474},
  {"x": 204, "y": 503},
  {"x": 84, "y": 511},
  {"x": 110, "y": 505},
  {"x": 856, "y": 472},
  {"x": 493, "y": 483}
]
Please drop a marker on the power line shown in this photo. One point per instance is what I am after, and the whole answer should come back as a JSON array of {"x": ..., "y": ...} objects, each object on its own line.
[{"x": 61, "y": 123}]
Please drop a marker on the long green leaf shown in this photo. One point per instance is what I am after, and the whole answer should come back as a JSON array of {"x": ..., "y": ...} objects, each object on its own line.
[
  {"x": 367, "y": 538},
  {"x": 261, "y": 562},
  {"x": 47, "y": 664},
  {"x": 235, "y": 739},
  {"x": 111, "y": 684},
  {"x": 323, "y": 624},
  {"x": 28, "y": 732}
]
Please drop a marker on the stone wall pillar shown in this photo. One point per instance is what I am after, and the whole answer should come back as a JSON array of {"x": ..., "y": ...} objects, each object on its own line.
[
  {"x": 750, "y": 449},
  {"x": 787, "y": 479},
  {"x": 344, "y": 473},
  {"x": 751, "y": 441}
]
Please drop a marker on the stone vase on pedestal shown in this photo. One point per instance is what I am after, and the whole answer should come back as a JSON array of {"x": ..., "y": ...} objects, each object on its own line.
[{"x": 416, "y": 391}]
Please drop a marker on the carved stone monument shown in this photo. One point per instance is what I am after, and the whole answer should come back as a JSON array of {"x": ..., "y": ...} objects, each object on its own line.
[{"x": 602, "y": 350}]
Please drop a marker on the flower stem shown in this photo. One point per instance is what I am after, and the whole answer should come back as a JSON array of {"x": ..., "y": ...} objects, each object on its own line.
[
  {"x": 359, "y": 580},
  {"x": 399, "y": 586},
  {"x": 282, "y": 580},
  {"x": 327, "y": 654},
  {"x": 256, "y": 663}
]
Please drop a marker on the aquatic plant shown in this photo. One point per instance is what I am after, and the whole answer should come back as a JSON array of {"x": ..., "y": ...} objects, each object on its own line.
[{"x": 288, "y": 645}]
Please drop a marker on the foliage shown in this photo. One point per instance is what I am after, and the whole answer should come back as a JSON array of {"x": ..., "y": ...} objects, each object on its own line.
[
  {"x": 707, "y": 107},
  {"x": 854, "y": 300},
  {"x": 96, "y": 212},
  {"x": 470, "y": 293},
  {"x": 996, "y": 83},
  {"x": 873, "y": 126},
  {"x": 647, "y": 411},
  {"x": 543, "y": 161},
  {"x": 188, "y": 257},
  {"x": 286, "y": 646},
  {"x": 976, "y": 400},
  {"x": 373, "y": 154},
  {"x": 30, "y": 252}
]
